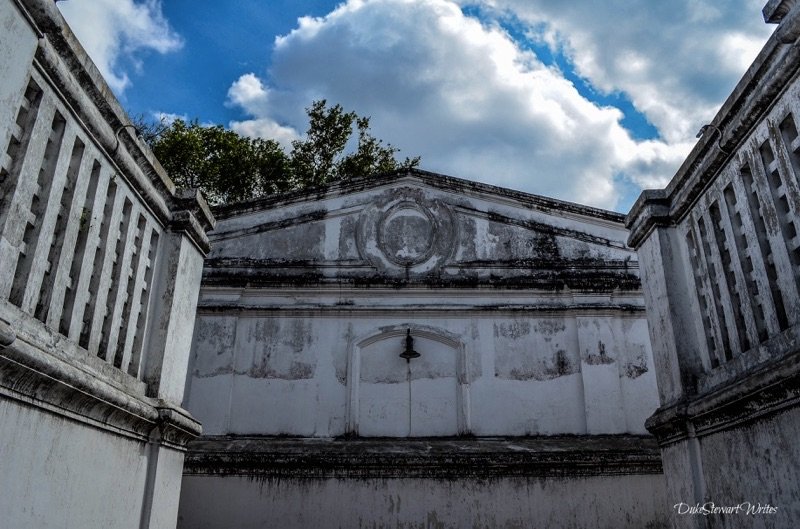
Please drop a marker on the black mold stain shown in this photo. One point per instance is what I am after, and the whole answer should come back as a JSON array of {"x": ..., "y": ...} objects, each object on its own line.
[
  {"x": 637, "y": 368},
  {"x": 347, "y": 240},
  {"x": 272, "y": 226},
  {"x": 550, "y": 231},
  {"x": 513, "y": 330},
  {"x": 550, "y": 327},
  {"x": 216, "y": 339},
  {"x": 559, "y": 365},
  {"x": 601, "y": 357},
  {"x": 277, "y": 458},
  {"x": 467, "y": 231},
  {"x": 593, "y": 275},
  {"x": 297, "y": 371},
  {"x": 279, "y": 351}
]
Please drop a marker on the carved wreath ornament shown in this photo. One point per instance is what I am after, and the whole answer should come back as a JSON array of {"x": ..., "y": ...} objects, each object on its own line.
[{"x": 405, "y": 232}]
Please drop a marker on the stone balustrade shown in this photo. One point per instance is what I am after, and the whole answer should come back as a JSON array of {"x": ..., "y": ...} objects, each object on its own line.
[
  {"x": 100, "y": 265},
  {"x": 80, "y": 233},
  {"x": 725, "y": 236},
  {"x": 78, "y": 245},
  {"x": 740, "y": 244},
  {"x": 719, "y": 255}
]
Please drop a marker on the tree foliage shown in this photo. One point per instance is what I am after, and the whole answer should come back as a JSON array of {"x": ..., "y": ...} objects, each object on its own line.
[{"x": 230, "y": 168}]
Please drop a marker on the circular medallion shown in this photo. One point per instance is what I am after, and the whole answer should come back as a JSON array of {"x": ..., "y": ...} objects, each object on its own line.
[{"x": 405, "y": 234}]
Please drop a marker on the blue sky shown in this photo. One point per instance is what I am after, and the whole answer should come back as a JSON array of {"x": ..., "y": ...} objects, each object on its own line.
[{"x": 588, "y": 101}]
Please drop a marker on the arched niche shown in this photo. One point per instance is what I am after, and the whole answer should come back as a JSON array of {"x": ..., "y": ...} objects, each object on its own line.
[{"x": 390, "y": 397}]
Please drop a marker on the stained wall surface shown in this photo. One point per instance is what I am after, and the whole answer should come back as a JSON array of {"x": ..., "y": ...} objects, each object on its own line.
[
  {"x": 603, "y": 503},
  {"x": 527, "y": 317},
  {"x": 528, "y": 320},
  {"x": 89, "y": 494},
  {"x": 100, "y": 265},
  {"x": 720, "y": 257}
]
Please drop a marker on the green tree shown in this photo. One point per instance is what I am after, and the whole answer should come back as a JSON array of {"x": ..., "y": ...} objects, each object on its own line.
[
  {"x": 226, "y": 166},
  {"x": 320, "y": 158},
  {"x": 230, "y": 168}
]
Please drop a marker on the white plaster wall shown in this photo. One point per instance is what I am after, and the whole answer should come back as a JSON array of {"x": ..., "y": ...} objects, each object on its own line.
[
  {"x": 167, "y": 489},
  {"x": 507, "y": 348},
  {"x": 766, "y": 453},
  {"x": 486, "y": 374},
  {"x": 59, "y": 474},
  {"x": 633, "y": 502}
]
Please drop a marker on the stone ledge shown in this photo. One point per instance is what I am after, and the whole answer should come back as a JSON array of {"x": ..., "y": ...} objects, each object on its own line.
[
  {"x": 542, "y": 276},
  {"x": 435, "y": 458},
  {"x": 769, "y": 390},
  {"x": 36, "y": 378}
]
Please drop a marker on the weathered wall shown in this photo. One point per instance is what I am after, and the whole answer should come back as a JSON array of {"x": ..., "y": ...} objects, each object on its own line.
[
  {"x": 763, "y": 455},
  {"x": 767, "y": 452},
  {"x": 720, "y": 260},
  {"x": 527, "y": 316},
  {"x": 632, "y": 502},
  {"x": 41, "y": 491},
  {"x": 100, "y": 264},
  {"x": 486, "y": 373},
  {"x": 526, "y": 313}
]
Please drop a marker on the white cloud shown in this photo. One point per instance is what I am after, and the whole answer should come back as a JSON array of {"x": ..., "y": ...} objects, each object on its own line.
[
  {"x": 266, "y": 128},
  {"x": 112, "y": 30},
  {"x": 461, "y": 94},
  {"x": 168, "y": 118},
  {"x": 676, "y": 60},
  {"x": 250, "y": 94}
]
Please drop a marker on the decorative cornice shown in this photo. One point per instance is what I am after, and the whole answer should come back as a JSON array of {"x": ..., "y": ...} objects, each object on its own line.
[
  {"x": 177, "y": 427},
  {"x": 437, "y": 458},
  {"x": 34, "y": 377},
  {"x": 186, "y": 222},
  {"x": 770, "y": 390},
  {"x": 775, "y": 10},
  {"x": 435, "y": 180}
]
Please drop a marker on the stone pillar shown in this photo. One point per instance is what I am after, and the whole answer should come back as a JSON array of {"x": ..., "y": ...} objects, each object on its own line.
[
  {"x": 671, "y": 313},
  {"x": 174, "y": 305},
  {"x": 179, "y": 268}
]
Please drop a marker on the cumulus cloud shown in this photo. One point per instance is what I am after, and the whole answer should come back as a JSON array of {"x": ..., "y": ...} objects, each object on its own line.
[
  {"x": 462, "y": 94},
  {"x": 676, "y": 60},
  {"x": 112, "y": 31},
  {"x": 250, "y": 94}
]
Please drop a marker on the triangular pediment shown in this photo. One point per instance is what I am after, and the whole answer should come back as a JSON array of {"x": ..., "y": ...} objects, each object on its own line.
[{"x": 415, "y": 226}]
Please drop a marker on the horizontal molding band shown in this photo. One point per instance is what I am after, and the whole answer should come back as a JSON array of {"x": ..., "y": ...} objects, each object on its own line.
[
  {"x": 34, "y": 377},
  {"x": 429, "y": 458},
  {"x": 427, "y": 310},
  {"x": 771, "y": 390}
]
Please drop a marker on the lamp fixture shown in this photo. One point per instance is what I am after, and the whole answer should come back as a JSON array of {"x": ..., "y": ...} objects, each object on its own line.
[{"x": 409, "y": 352}]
